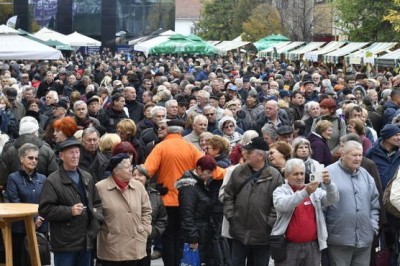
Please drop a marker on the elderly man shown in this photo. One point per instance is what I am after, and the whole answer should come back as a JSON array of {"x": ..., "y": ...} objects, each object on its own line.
[
  {"x": 172, "y": 109},
  {"x": 135, "y": 108},
  {"x": 202, "y": 101},
  {"x": 199, "y": 126},
  {"x": 386, "y": 154},
  {"x": 271, "y": 115},
  {"x": 310, "y": 94},
  {"x": 352, "y": 222},
  {"x": 299, "y": 214},
  {"x": 248, "y": 205},
  {"x": 169, "y": 163},
  {"x": 71, "y": 204},
  {"x": 158, "y": 113},
  {"x": 91, "y": 159},
  {"x": 81, "y": 116}
]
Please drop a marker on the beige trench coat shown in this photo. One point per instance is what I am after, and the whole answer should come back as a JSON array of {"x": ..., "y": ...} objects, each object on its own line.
[{"x": 127, "y": 221}]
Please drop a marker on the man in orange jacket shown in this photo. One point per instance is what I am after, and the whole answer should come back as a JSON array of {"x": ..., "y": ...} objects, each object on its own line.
[{"x": 169, "y": 160}]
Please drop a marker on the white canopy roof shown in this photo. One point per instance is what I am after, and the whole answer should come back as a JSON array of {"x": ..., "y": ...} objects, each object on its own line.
[
  {"x": 389, "y": 59},
  {"x": 333, "y": 56},
  {"x": 287, "y": 48},
  {"x": 46, "y": 34},
  {"x": 313, "y": 56},
  {"x": 269, "y": 50},
  {"x": 16, "y": 47},
  {"x": 368, "y": 54},
  {"x": 296, "y": 54},
  {"x": 77, "y": 39},
  {"x": 148, "y": 44},
  {"x": 225, "y": 46}
]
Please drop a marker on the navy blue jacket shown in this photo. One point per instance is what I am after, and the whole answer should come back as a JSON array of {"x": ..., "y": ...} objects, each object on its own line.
[{"x": 22, "y": 188}]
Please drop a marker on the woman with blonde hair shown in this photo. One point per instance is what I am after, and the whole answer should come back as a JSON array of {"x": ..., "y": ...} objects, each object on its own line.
[
  {"x": 318, "y": 140},
  {"x": 126, "y": 129},
  {"x": 107, "y": 143}
]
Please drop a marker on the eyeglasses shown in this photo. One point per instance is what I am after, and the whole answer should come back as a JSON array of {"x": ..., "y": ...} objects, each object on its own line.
[
  {"x": 229, "y": 126},
  {"x": 32, "y": 158},
  {"x": 211, "y": 114},
  {"x": 162, "y": 128}
]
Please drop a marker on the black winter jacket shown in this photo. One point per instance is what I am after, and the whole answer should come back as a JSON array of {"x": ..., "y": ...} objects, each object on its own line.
[
  {"x": 59, "y": 194},
  {"x": 195, "y": 207}
]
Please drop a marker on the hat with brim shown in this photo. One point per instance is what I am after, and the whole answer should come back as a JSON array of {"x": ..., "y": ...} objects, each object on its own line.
[
  {"x": 69, "y": 143},
  {"x": 116, "y": 160},
  {"x": 256, "y": 143},
  {"x": 93, "y": 99},
  {"x": 308, "y": 81}
]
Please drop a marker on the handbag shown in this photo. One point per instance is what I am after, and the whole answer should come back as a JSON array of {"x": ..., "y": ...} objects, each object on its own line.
[
  {"x": 43, "y": 246},
  {"x": 190, "y": 257},
  {"x": 278, "y": 247}
]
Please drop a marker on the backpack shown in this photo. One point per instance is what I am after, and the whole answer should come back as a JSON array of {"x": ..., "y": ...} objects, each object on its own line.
[{"x": 391, "y": 197}]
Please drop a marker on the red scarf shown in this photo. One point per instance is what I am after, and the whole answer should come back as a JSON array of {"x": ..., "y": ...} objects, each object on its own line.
[{"x": 122, "y": 185}]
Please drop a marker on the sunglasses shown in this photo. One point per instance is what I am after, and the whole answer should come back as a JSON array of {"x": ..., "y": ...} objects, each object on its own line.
[
  {"x": 32, "y": 158},
  {"x": 229, "y": 126}
]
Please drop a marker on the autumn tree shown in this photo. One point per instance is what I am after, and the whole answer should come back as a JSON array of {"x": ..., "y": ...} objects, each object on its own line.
[
  {"x": 264, "y": 21},
  {"x": 363, "y": 20},
  {"x": 393, "y": 15}
]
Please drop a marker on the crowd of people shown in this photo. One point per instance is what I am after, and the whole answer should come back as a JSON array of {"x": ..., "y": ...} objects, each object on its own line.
[{"x": 130, "y": 159}]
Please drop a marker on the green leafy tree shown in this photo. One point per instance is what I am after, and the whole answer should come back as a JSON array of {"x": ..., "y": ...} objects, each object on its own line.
[
  {"x": 362, "y": 20},
  {"x": 264, "y": 21},
  {"x": 217, "y": 20}
]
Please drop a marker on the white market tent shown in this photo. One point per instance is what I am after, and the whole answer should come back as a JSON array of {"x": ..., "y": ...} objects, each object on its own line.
[
  {"x": 78, "y": 39},
  {"x": 269, "y": 50},
  {"x": 297, "y": 54},
  {"x": 46, "y": 34},
  {"x": 16, "y": 47},
  {"x": 285, "y": 49},
  {"x": 313, "y": 56},
  {"x": 368, "y": 54},
  {"x": 145, "y": 46},
  {"x": 388, "y": 60},
  {"x": 225, "y": 46},
  {"x": 333, "y": 57}
]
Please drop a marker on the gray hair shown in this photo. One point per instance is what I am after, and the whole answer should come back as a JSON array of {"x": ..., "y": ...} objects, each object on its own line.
[
  {"x": 169, "y": 102},
  {"x": 292, "y": 163},
  {"x": 247, "y": 136},
  {"x": 54, "y": 94},
  {"x": 349, "y": 137},
  {"x": 352, "y": 145},
  {"x": 175, "y": 129},
  {"x": 23, "y": 150},
  {"x": 90, "y": 130},
  {"x": 309, "y": 105},
  {"x": 270, "y": 130},
  {"x": 77, "y": 103},
  {"x": 156, "y": 109}
]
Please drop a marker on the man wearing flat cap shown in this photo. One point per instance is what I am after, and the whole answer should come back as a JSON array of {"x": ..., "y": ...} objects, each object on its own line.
[
  {"x": 169, "y": 160},
  {"x": 248, "y": 201},
  {"x": 127, "y": 245},
  {"x": 71, "y": 204}
]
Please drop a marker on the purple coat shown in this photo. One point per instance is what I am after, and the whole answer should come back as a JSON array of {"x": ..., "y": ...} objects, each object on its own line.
[{"x": 320, "y": 149}]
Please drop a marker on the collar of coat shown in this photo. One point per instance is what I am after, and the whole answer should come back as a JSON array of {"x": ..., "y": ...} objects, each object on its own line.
[{"x": 65, "y": 179}]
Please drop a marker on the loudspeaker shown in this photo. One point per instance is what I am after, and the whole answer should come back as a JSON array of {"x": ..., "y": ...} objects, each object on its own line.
[
  {"x": 21, "y": 9},
  {"x": 108, "y": 22},
  {"x": 64, "y": 17}
]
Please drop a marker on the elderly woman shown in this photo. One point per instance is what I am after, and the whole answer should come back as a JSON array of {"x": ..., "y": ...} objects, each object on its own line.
[
  {"x": 158, "y": 214},
  {"x": 218, "y": 148},
  {"x": 196, "y": 201},
  {"x": 279, "y": 153},
  {"x": 203, "y": 140},
  {"x": 357, "y": 126},
  {"x": 312, "y": 112},
  {"x": 25, "y": 186},
  {"x": 126, "y": 129},
  {"x": 328, "y": 112},
  {"x": 269, "y": 133},
  {"x": 127, "y": 215},
  {"x": 227, "y": 125},
  {"x": 302, "y": 150},
  {"x": 107, "y": 143},
  {"x": 318, "y": 140}
]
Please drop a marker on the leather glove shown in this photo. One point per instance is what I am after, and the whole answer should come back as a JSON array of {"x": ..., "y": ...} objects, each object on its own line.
[{"x": 161, "y": 189}]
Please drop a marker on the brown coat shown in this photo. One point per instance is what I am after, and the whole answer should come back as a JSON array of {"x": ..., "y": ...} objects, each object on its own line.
[{"x": 127, "y": 221}]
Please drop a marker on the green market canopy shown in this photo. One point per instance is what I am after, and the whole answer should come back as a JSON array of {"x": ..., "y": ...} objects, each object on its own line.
[
  {"x": 269, "y": 41},
  {"x": 180, "y": 44}
]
